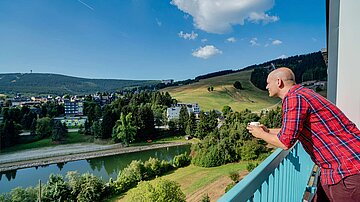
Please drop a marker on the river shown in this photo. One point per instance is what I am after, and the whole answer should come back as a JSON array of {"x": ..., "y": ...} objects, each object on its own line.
[{"x": 104, "y": 167}]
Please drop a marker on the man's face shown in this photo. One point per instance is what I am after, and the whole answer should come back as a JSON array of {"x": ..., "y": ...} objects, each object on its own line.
[{"x": 272, "y": 86}]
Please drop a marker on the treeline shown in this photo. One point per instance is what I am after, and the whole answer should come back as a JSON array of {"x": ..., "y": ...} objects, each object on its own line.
[
  {"x": 198, "y": 78},
  {"x": 232, "y": 142},
  {"x": 38, "y": 121},
  {"x": 306, "y": 68},
  {"x": 132, "y": 117},
  {"x": 39, "y": 83},
  {"x": 89, "y": 188}
]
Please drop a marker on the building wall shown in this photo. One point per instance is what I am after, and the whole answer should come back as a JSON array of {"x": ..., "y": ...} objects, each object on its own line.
[{"x": 348, "y": 63}]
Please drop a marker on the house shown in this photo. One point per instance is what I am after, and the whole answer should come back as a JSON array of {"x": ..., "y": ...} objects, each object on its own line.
[
  {"x": 167, "y": 81},
  {"x": 173, "y": 112},
  {"x": 73, "y": 107}
]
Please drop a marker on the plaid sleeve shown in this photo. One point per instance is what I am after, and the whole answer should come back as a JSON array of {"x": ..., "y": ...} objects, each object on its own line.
[{"x": 293, "y": 116}]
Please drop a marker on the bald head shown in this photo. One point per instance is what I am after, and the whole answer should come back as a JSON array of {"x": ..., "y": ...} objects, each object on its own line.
[
  {"x": 280, "y": 81},
  {"x": 285, "y": 74}
]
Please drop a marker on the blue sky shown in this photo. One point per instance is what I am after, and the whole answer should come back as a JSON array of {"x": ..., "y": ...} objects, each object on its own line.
[{"x": 154, "y": 39}]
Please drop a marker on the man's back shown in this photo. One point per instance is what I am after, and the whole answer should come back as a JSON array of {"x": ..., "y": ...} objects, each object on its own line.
[{"x": 330, "y": 138}]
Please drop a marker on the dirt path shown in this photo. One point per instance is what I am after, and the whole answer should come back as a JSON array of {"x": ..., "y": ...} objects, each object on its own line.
[
  {"x": 65, "y": 153},
  {"x": 215, "y": 190}
]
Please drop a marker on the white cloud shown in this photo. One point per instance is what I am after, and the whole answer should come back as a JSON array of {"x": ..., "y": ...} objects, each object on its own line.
[
  {"x": 265, "y": 18},
  {"x": 254, "y": 42},
  {"x": 220, "y": 15},
  {"x": 281, "y": 57},
  {"x": 158, "y": 22},
  {"x": 266, "y": 45},
  {"x": 276, "y": 42},
  {"x": 204, "y": 40},
  {"x": 190, "y": 36},
  {"x": 231, "y": 39},
  {"x": 206, "y": 52}
]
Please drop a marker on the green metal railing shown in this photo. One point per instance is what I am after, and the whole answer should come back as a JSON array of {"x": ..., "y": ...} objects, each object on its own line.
[{"x": 283, "y": 176}]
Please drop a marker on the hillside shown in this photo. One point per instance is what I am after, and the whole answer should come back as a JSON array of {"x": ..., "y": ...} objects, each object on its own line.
[
  {"x": 224, "y": 93},
  {"x": 39, "y": 83}
]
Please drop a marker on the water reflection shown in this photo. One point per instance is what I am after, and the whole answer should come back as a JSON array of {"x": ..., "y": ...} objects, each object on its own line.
[
  {"x": 104, "y": 167},
  {"x": 61, "y": 165}
]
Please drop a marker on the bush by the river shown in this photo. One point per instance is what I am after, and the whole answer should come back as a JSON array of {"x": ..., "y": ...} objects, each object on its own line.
[
  {"x": 89, "y": 188},
  {"x": 138, "y": 171},
  {"x": 160, "y": 190},
  {"x": 82, "y": 188}
]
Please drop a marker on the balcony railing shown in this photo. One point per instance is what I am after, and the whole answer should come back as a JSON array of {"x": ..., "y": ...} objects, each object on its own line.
[{"x": 283, "y": 176}]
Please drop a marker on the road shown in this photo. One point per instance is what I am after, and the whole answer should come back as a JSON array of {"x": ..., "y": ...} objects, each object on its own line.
[
  {"x": 69, "y": 152},
  {"x": 69, "y": 130}
]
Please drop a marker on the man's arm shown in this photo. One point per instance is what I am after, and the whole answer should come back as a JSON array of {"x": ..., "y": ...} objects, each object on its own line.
[{"x": 269, "y": 137}]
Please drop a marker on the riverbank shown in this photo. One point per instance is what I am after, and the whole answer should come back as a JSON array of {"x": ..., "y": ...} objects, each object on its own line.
[{"x": 66, "y": 153}]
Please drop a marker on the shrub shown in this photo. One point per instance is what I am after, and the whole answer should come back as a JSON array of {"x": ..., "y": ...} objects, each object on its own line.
[
  {"x": 210, "y": 157},
  {"x": 56, "y": 189},
  {"x": 165, "y": 166},
  {"x": 19, "y": 194},
  {"x": 251, "y": 166},
  {"x": 160, "y": 191},
  {"x": 205, "y": 198},
  {"x": 86, "y": 187},
  {"x": 181, "y": 160},
  {"x": 231, "y": 185},
  {"x": 130, "y": 176},
  {"x": 152, "y": 168},
  {"x": 91, "y": 188},
  {"x": 234, "y": 176},
  {"x": 250, "y": 150}
]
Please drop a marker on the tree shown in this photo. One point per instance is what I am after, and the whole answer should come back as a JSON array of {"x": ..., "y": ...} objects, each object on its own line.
[
  {"x": 191, "y": 125},
  {"x": 124, "y": 129},
  {"x": 238, "y": 85},
  {"x": 183, "y": 119},
  {"x": 108, "y": 122},
  {"x": 145, "y": 122},
  {"x": 58, "y": 131},
  {"x": 226, "y": 110},
  {"x": 9, "y": 134},
  {"x": 43, "y": 128},
  {"x": 96, "y": 129}
]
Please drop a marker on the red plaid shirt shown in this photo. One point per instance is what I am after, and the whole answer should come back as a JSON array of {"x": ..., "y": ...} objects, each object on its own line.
[{"x": 330, "y": 138}]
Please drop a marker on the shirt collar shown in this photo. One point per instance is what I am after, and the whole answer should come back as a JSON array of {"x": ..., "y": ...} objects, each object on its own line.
[{"x": 293, "y": 89}]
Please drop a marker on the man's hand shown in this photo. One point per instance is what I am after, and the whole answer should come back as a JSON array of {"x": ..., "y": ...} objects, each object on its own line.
[
  {"x": 269, "y": 135},
  {"x": 256, "y": 131}
]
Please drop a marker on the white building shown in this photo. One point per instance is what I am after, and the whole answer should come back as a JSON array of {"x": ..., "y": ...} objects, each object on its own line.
[{"x": 174, "y": 111}]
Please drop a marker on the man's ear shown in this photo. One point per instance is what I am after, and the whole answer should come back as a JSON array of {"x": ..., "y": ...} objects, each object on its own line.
[{"x": 280, "y": 83}]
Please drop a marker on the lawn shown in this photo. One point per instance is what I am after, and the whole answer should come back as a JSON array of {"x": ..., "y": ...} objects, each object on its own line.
[
  {"x": 73, "y": 137},
  {"x": 193, "y": 178},
  {"x": 224, "y": 93}
]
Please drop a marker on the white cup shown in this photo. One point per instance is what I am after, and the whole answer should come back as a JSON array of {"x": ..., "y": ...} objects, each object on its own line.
[{"x": 254, "y": 123}]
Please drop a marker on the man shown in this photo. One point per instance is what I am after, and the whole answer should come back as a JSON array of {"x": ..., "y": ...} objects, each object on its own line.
[{"x": 330, "y": 138}]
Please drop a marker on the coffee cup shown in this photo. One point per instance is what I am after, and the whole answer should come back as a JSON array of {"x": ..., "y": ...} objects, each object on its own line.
[{"x": 254, "y": 123}]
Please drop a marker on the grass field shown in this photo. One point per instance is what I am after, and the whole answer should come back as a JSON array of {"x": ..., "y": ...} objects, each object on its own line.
[
  {"x": 73, "y": 137},
  {"x": 224, "y": 93},
  {"x": 193, "y": 178}
]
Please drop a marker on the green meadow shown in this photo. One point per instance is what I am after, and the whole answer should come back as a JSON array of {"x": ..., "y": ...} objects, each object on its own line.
[{"x": 224, "y": 93}]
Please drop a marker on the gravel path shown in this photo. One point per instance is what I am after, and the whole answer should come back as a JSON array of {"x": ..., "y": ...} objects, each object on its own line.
[{"x": 71, "y": 152}]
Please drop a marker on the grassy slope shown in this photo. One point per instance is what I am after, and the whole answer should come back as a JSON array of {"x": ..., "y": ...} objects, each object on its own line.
[
  {"x": 72, "y": 137},
  {"x": 224, "y": 93},
  {"x": 193, "y": 178}
]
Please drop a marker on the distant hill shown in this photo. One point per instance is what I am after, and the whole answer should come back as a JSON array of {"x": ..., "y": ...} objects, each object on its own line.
[
  {"x": 224, "y": 93},
  {"x": 253, "y": 79},
  {"x": 56, "y": 84}
]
